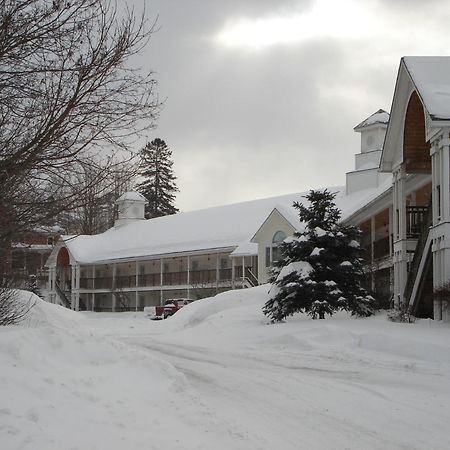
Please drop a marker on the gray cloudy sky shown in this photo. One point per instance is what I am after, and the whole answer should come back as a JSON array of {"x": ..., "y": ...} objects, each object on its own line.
[{"x": 261, "y": 96}]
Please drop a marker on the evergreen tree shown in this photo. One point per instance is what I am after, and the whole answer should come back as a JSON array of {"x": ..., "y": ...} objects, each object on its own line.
[
  {"x": 159, "y": 185},
  {"x": 321, "y": 269}
]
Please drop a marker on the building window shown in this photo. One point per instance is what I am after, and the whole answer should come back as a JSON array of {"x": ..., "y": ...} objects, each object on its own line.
[
  {"x": 277, "y": 239},
  {"x": 273, "y": 253},
  {"x": 268, "y": 257}
]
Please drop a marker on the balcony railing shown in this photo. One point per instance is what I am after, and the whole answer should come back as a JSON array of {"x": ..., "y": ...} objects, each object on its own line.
[
  {"x": 415, "y": 217},
  {"x": 154, "y": 279},
  {"x": 174, "y": 278},
  {"x": 149, "y": 279}
]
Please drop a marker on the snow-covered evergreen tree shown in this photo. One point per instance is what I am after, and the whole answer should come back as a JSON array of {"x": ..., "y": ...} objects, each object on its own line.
[
  {"x": 321, "y": 269},
  {"x": 159, "y": 186}
]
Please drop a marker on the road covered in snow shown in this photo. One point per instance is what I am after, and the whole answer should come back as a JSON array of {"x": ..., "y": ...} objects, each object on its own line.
[{"x": 217, "y": 375}]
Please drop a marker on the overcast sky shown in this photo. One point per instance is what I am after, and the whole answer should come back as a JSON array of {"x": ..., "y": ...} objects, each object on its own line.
[{"x": 261, "y": 96}]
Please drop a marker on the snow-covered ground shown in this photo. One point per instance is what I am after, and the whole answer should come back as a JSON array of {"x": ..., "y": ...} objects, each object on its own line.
[{"x": 217, "y": 376}]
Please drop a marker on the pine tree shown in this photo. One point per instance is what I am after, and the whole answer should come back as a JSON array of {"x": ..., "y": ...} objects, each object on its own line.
[
  {"x": 321, "y": 268},
  {"x": 159, "y": 185}
]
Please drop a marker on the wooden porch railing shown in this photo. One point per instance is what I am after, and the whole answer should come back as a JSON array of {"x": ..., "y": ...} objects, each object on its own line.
[
  {"x": 154, "y": 279},
  {"x": 415, "y": 217}
]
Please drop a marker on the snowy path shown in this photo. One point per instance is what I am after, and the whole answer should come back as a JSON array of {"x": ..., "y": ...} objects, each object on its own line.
[
  {"x": 216, "y": 376},
  {"x": 307, "y": 403}
]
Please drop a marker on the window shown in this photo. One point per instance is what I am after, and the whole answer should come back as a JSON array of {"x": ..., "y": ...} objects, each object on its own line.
[
  {"x": 267, "y": 256},
  {"x": 273, "y": 253},
  {"x": 278, "y": 238}
]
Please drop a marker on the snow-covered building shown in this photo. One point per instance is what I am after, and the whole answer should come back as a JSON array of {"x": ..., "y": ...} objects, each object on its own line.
[
  {"x": 194, "y": 254},
  {"x": 403, "y": 163},
  {"x": 412, "y": 218}
]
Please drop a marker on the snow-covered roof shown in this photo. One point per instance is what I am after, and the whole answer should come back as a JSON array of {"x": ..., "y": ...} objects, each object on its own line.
[
  {"x": 213, "y": 228},
  {"x": 246, "y": 249},
  {"x": 132, "y": 196},
  {"x": 431, "y": 76},
  {"x": 380, "y": 116}
]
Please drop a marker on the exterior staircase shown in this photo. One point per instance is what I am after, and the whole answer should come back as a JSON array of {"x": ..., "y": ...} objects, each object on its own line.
[
  {"x": 419, "y": 266},
  {"x": 62, "y": 296}
]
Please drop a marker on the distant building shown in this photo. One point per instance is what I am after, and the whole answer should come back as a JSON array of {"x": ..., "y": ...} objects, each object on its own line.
[{"x": 29, "y": 252}]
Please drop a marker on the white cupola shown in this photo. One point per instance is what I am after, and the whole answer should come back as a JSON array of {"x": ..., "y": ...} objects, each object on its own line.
[
  {"x": 373, "y": 130},
  {"x": 366, "y": 174},
  {"x": 131, "y": 207}
]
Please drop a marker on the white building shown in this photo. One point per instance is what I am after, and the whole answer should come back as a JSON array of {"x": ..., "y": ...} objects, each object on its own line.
[{"x": 402, "y": 165}]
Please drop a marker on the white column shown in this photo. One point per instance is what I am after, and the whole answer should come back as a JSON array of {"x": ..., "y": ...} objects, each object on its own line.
[
  {"x": 372, "y": 250},
  {"x": 440, "y": 232},
  {"x": 233, "y": 273},
  {"x": 217, "y": 271},
  {"x": 161, "y": 298},
  {"x": 243, "y": 271},
  {"x": 136, "y": 299},
  {"x": 113, "y": 299},
  {"x": 93, "y": 288},
  {"x": 399, "y": 222},
  {"x": 188, "y": 276}
]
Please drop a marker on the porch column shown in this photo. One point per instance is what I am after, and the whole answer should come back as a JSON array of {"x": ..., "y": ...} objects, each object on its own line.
[
  {"x": 136, "y": 300},
  {"x": 161, "y": 298},
  {"x": 243, "y": 272},
  {"x": 440, "y": 232},
  {"x": 372, "y": 252},
  {"x": 217, "y": 272},
  {"x": 76, "y": 287},
  {"x": 233, "y": 273},
  {"x": 93, "y": 288},
  {"x": 399, "y": 222},
  {"x": 188, "y": 276},
  {"x": 113, "y": 299}
]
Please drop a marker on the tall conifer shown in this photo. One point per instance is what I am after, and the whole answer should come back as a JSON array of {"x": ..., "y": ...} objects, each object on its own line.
[{"x": 158, "y": 186}]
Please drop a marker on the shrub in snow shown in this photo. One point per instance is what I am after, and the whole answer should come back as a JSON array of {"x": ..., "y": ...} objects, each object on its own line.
[
  {"x": 400, "y": 315},
  {"x": 321, "y": 269},
  {"x": 12, "y": 309}
]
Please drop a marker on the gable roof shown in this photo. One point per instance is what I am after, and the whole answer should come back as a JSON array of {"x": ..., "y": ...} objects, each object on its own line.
[
  {"x": 379, "y": 117},
  {"x": 431, "y": 77}
]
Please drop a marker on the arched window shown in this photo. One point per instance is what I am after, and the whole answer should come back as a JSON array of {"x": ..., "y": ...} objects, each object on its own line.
[
  {"x": 279, "y": 237},
  {"x": 273, "y": 253}
]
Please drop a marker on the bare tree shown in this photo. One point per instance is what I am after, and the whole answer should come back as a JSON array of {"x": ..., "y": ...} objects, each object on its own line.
[
  {"x": 12, "y": 310},
  {"x": 101, "y": 188},
  {"x": 66, "y": 92}
]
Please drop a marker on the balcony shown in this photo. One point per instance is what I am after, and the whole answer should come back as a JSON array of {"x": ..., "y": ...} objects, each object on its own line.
[
  {"x": 415, "y": 217},
  {"x": 154, "y": 279}
]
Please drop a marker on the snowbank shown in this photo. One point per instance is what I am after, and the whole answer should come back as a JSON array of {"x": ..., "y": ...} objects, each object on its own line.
[{"x": 217, "y": 375}]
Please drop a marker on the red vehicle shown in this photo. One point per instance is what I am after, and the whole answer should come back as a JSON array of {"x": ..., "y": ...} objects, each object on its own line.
[{"x": 170, "y": 307}]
